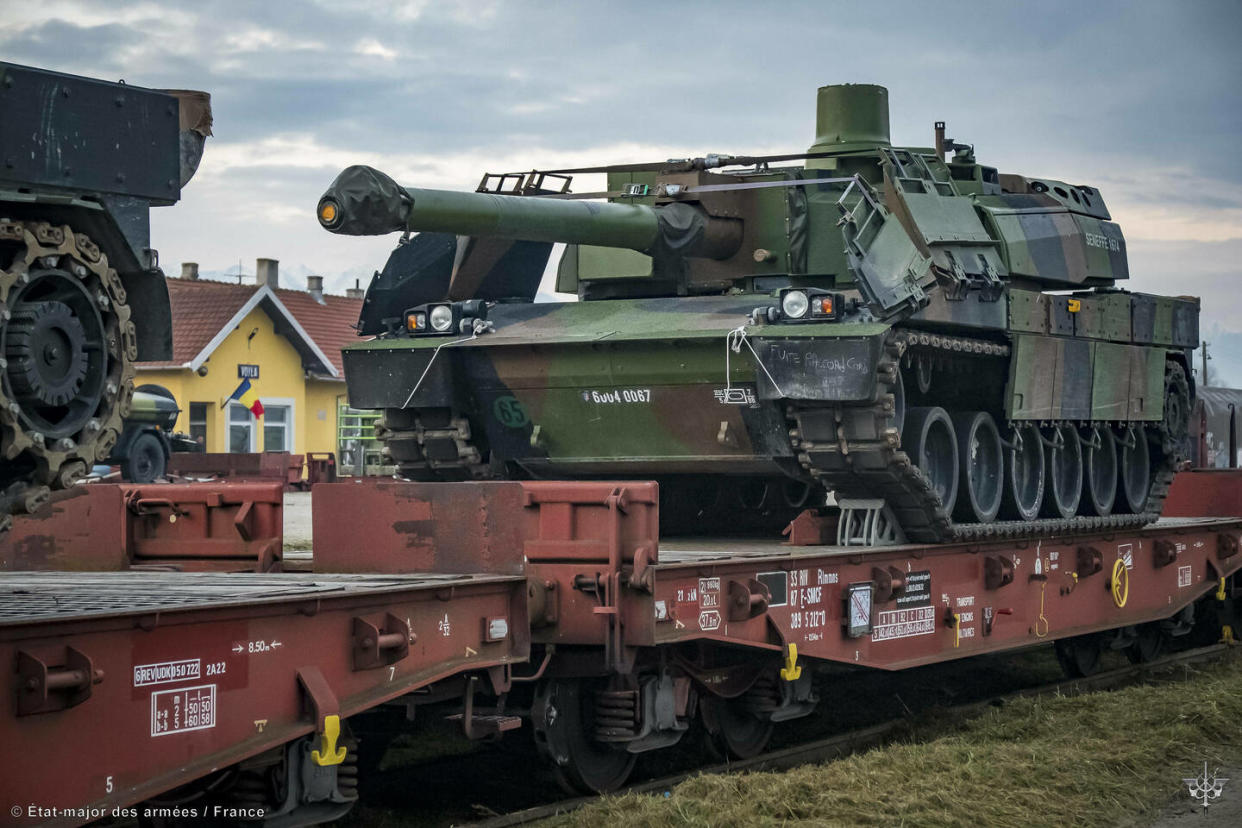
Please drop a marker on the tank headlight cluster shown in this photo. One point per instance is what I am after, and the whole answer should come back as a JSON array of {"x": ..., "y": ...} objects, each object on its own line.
[
  {"x": 438, "y": 318},
  {"x": 809, "y": 305}
]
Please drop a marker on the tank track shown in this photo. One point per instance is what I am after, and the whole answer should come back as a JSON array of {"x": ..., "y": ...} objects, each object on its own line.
[
  {"x": 431, "y": 445},
  {"x": 33, "y": 465},
  {"x": 856, "y": 451}
]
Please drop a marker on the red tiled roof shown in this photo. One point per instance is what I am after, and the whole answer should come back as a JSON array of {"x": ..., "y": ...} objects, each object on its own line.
[
  {"x": 331, "y": 324},
  {"x": 201, "y": 308}
]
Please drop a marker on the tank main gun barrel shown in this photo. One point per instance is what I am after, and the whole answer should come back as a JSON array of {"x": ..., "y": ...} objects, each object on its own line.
[{"x": 364, "y": 202}]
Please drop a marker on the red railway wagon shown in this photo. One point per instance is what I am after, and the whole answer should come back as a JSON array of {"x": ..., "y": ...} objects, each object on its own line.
[
  {"x": 199, "y": 527},
  {"x": 635, "y": 635},
  {"x": 224, "y": 695}
]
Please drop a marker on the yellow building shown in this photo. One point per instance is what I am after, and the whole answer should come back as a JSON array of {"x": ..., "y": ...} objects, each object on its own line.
[{"x": 286, "y": 342}]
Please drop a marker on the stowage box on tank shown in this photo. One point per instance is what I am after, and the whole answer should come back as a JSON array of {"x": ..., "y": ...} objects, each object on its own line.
[{"x": 943, "y": 346}]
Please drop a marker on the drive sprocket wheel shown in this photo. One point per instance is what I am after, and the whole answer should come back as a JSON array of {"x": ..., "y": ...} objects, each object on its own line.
[{"x": 67, "y": 351}]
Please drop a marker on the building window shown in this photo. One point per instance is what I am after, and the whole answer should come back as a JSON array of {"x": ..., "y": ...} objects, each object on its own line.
[
  {"x": 241, "y": 429},
  {"x": 198, "y": 423},
  {"x": 276, "y": 431}
]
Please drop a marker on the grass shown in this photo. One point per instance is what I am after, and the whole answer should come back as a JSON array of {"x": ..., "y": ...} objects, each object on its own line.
[{"x": 1108, "y": 758}]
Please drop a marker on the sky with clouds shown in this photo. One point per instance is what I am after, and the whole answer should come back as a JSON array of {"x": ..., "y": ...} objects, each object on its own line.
[{"x": 1140, "y": 99}]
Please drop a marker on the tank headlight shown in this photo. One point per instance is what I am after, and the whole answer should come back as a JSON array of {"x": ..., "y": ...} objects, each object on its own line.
[
  {"x": 441, "y": 318},
  {"x": 794, "y": 304},
  {"x": 416, "y": 322}
]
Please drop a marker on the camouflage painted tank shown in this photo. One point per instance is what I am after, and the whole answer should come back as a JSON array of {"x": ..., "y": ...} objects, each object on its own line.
[
  {"x": 81, "y": 293},
  {"x": 941, "y": 345}
]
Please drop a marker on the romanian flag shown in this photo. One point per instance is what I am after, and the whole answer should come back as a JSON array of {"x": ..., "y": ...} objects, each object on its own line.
[{"x": 246, "y": 395}]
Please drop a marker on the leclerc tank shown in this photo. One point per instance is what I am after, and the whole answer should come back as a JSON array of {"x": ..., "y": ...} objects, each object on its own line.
[
  {"x": 941, "y": 345},
  {"x": 82, "y": 297}
]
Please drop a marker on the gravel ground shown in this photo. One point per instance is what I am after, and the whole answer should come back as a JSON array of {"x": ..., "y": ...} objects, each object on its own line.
[{"x": 297, "y": 521}]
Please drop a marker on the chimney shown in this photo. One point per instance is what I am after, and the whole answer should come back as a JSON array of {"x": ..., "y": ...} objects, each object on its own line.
[
  {"x": 189, "y": 271},
  {"x": 355, "y": 292},
  {"x": 314, "y": 286},
  {"x": 267, "y": 272}
]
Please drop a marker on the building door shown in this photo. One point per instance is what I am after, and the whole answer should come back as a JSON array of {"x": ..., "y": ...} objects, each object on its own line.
[{"x": 241, "y": 429}]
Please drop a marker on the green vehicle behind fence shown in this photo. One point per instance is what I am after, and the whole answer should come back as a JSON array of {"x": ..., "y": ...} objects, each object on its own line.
[
  {"x": 147, "y": 439},
  {"x": 941, "y": 345}
]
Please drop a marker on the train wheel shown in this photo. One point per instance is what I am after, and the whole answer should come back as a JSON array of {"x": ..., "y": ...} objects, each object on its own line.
[
  {"x": 1099, "y": 479},
  {"x": 1149, "y": 646},
  {"x": 1079, "y": 656},
  {"x": 733, "y": 731},
  {"x": 982, "y": 467},
  {"x": 1064, "y": 473},
  {"x": 1135, "y": 469},
  {"x": 930, "y": 441},
  {"x": 564, "y": 719},
  {"x": 1024, "y": 474}
]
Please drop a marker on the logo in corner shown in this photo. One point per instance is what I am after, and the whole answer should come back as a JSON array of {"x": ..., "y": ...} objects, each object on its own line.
[{"x": 1207, "y": 787}]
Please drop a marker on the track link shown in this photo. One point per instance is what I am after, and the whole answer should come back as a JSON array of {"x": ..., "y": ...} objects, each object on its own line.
[
  {"x": 856, "y": 451},
  {"x": 431, "y": 445}
]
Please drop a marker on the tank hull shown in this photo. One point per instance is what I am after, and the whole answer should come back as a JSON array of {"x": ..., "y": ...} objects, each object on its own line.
[{"x": 684, "y": 388}]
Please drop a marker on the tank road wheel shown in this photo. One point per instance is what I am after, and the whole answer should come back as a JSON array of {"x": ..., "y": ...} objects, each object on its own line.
[
  {"x": 898, "y": 390},
  {"x": 1135, "y": 471},
  {"x": 1149, "y": 646},
  {"x": 733, "y": 731},
  {"x": 563, "y": 716},
  {"x": 1064, "y": 458},
  {"x": 1175, "y": 427},
  {"x": 67, "y": 347},
  {"x": 1024, "y": 474},
  {"x": 797, "y": 494},
  {"x": 752, "y": 493},
  {"x": 1099, "y": 472},
  {"x": 982, "y": 467},
  {"x": 1079, "y": 656},
  {"x": 929, "y": 440}
]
